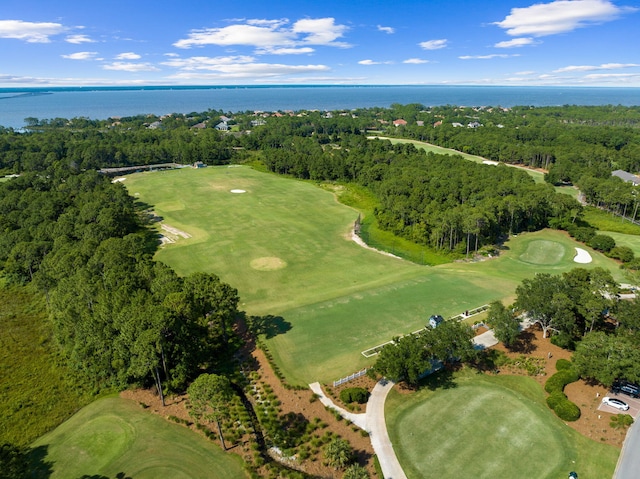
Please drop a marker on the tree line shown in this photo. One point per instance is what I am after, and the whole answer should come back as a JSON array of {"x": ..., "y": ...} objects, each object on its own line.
[{"x": 118, "y": 316}]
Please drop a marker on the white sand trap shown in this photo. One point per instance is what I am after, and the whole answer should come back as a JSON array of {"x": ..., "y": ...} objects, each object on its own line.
[
  {"x": 238, "y": 191},
  {"x": 582, "y": 256},
  {"x": 117, "y": 180},
  {"x": 490, "y": 162},
  {"x": 174, "y": 231}
]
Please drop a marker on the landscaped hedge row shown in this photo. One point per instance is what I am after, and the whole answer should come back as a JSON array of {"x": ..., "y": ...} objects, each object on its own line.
[
  {"x": 557, "y": 400},
  {"x": 349, "y": 395}
]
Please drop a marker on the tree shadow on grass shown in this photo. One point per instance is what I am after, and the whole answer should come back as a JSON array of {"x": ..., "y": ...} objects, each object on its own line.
[
  {"x": 39, "y": 467},
  {"x": 268, "y": 325},
  {"x": 442, "y": 379}
]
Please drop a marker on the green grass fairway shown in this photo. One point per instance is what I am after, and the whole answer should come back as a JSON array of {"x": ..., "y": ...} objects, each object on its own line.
[
  {"x": 283, "y": 245},
  {"x": 114, "y": 435},
  {"x": 489, "y": 427},
  {"x": 628, "y": 240}
]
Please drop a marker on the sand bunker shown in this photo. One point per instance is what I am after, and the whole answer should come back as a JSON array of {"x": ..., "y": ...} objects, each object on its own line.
[
  {"x": 490, "y": 162},
  {"x": 238, "y": 191},
  {"x": 118, "y": 180},
  {"x": 268, "y": 263},
  {"x": 582, "y": 256}
]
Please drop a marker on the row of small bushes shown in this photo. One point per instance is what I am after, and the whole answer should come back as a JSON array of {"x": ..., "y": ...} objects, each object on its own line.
[
  {"x": 604, "y": 243},
  {"x": 557, "y": 400}
]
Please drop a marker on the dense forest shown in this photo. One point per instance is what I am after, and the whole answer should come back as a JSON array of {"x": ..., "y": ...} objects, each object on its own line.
[{"x": 118, "y": 316}]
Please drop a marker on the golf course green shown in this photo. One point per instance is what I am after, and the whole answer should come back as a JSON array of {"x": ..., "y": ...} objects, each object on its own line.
[
  {"x": 489, "y": 427},
  {"x": 285, "y": 245},
  {"x": 116, "y": 436}
]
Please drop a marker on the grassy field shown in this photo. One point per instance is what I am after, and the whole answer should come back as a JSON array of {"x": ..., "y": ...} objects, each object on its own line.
[
  {"x": 283, "y": 245},
  {"x": 486, "y": 427},
  {"x": 605, "y": 221},
  {"x": 36, "y": 393},
  {"x": 116, "y": 436}
]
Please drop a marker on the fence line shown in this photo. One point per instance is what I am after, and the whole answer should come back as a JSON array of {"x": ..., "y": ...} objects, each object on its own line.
[
  {"x": 350, "y": 377},
  {"x": 367, "y": 353}
]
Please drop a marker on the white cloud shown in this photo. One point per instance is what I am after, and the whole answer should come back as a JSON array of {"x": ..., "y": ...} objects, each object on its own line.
[
  {"x": 486, "y": 57},
  {"x": 208, "y": 63},
  {"x": 128, "y": 56},
  {"x": 248, "y": 70},
  {"x": 559, "y": 16},
  {"x": 526, "y": 73},
  {"x": 371, "y": 62},
  {"x": 388, "y": 30},
  {"x": 78, "y": 39},
  {"x": 234, "y": 66},
  {"x": 284, "y": 50},
  {"x": 415, "y": 61},
  {"x": 29, "y": 31},
  {"x": 604, "y": 66},
  {"x": 516, "y": 42},
  {"x": 130, "y": 67},
  {"x": 81, "y": 56},
  {"x": 236, "y": 35},
  {"x": 321, "y": 31},
  {"x": 614, "y": 76},
  {"x": 269, "y": 34},
  {"x": 434, "y": 44}
]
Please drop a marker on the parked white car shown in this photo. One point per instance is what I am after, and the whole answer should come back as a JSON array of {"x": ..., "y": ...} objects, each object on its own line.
[{"x": 616, "y": 403}]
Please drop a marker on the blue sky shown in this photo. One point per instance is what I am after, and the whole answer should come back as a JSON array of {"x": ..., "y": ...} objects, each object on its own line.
[{"x": 481, "y": 42}]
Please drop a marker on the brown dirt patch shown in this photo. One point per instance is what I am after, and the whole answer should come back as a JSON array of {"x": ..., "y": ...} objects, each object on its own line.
[
  {"x": 593, "y": 424},
  {"x": 268, "y": 263},
  {"x": 297, "y": 401}
]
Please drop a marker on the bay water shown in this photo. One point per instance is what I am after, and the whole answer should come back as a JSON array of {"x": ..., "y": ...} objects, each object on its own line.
[{"x": 16, "y": 104}]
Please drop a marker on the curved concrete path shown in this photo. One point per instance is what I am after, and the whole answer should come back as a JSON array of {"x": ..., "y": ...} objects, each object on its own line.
[{"x": 373, "y": 422}]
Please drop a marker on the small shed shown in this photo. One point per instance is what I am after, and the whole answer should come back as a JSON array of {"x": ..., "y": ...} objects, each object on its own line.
[{"x": 435, "y": 320}]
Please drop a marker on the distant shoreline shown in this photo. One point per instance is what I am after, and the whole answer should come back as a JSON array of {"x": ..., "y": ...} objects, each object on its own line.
[{"x": 52, "y": 89}]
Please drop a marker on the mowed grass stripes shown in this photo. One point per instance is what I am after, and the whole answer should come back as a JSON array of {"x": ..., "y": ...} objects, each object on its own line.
[
  {"x": 484, "y": 427},
  {"x": 284, "y": 245},
  {"x": 116, "y": 436}
]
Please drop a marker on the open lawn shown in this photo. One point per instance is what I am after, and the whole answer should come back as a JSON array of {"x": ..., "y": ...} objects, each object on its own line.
[
  {"x": 474, "y": 425},
  {"x": 116, "y": 436},
  {"x": 283, "y": 245}
]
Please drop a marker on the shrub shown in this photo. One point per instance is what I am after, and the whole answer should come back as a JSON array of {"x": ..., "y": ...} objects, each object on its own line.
[
  {"x": 582, "y": 233},
  {"x": 563, "y": 340},
  {"x": 602, "y": 243},
  {"x": 563, "y": 364},
  {"x": 358, "y": 395},
  {"x": 621, "y": 421},
  {"x": 566, "y": 410},
  {"x": 559, "y": 380},
  {"x": 557, "y": 400},
  {"x": 554, "y": 399},
  {"x": 622, "y": 253}
]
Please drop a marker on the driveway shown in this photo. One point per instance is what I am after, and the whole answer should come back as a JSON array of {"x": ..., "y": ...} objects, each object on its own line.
[
  {"x": 374, "y": 423},
  {"x": 629, "y": 460}
]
